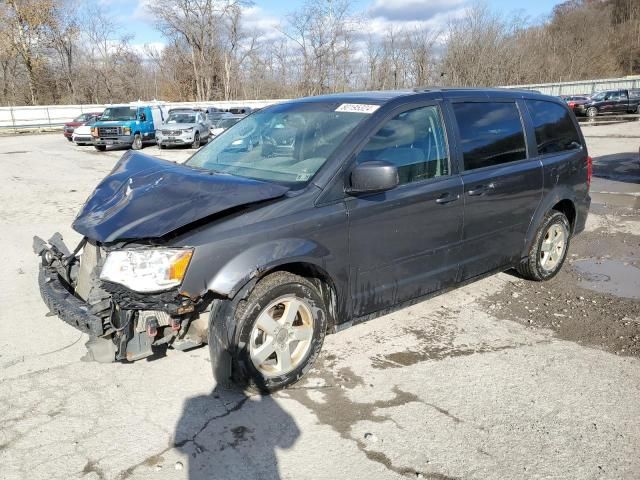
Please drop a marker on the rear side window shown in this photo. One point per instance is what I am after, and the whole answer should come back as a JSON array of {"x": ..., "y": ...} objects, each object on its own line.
[
  {"x": 491, "y": 133},
  {"x": 555, "y": 131}
]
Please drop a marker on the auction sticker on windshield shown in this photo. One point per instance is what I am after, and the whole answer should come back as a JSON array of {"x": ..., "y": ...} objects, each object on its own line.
[{"x": 357, "y": 108}]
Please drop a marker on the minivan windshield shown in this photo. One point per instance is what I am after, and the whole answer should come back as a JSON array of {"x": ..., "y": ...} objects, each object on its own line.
[
  {"x": 119, "y": 113},
  {"x": 227, "y": 122},
  {"x": 284, "y": 144}
]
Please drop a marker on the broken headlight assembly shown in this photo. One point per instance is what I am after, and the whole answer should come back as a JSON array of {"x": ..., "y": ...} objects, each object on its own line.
[{"x": 147, "y": 269}]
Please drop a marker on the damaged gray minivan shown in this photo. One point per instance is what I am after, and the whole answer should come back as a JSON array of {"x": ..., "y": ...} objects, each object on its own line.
[{"x": 348, "y": 206}]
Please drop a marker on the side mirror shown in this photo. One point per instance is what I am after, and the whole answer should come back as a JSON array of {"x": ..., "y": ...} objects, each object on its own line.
[
  {"x": 143, "y": 117},
  {"x": 373, "y": 176}
]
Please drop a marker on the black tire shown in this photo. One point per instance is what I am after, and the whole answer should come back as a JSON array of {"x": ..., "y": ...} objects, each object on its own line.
[
  {"x": 592, "y": 112},
  {"x": 69, "y": 138},
  {"x": 137, "y": 142},
  {"x": 161, "y": 146},
  {"x": 196, "y": 141},
  {"x": 229, "y": 350},
  {"x": 531, "y": 268},
  {"x": 100, "y": 148}
]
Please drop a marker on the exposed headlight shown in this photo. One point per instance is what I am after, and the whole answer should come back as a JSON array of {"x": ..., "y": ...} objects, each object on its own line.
[
  {"x": 147, "y": 270},
  {"x": 94, "y": 131},
  {"x": 237, "y": 142},
  {"x": 126, "y": 130},
  {"x": 187, "y": 130}
]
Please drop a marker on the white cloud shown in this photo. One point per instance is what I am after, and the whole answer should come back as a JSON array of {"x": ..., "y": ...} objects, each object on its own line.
[
  {"x": 256, "y": 20},
  {"x": 412, "y": 10},
  {"x": 436, "y": 23},
  {"x": 143, "y": 49}
]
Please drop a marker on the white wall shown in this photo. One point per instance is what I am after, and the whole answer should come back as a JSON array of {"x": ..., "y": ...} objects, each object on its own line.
[{"x": 56, "y": 115}]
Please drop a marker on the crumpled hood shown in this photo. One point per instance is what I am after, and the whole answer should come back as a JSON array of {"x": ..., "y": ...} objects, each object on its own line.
[{"x": 146, "y": 197}]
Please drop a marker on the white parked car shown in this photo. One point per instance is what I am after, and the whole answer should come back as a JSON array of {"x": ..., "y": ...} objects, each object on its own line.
[{"x": 82, "y": 135}]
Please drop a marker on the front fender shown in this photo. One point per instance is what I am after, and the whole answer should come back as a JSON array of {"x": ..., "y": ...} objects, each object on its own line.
[{"x": 252, "y": 262}]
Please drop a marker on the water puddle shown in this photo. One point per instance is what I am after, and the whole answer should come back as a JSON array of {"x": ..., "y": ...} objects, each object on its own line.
[{"x": 616, "y": 277}]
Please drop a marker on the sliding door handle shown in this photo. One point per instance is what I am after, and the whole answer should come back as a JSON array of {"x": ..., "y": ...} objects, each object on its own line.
[{"x": 447, "y": 198}]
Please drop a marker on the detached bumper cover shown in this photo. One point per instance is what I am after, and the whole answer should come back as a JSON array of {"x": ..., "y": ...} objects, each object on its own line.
[{"x": 67, "y": 306}]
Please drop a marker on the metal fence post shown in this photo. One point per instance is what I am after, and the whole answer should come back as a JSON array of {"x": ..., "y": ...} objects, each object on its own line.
[
  {"x": 48, "y": 116},
  {"x": 13, "y": 119}
]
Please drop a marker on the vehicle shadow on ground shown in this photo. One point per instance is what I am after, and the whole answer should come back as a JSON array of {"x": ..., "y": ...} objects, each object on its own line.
[
  {"x": 622, "y": 167},
  {"x": 229, "y": 434}
]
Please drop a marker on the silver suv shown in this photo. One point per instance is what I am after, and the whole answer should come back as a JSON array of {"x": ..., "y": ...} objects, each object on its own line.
[{"x": 184, "y": 127}]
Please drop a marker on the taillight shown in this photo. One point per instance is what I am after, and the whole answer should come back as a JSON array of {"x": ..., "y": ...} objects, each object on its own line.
[
  {"x": 572, "y": 104},
  {"x": 589, "y": 170}
]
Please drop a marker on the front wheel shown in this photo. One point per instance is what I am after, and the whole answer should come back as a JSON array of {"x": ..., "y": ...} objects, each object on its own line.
[
  {"x": 137, "y": 142},
  {"x": 548, "y": 249},
  {"x": 196, "y": 141},
  {"x": 278, "y": 334},
  {"x": 592, "y": 112}
]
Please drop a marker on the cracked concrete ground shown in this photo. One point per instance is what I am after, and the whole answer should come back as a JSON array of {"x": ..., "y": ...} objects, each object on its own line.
[{"x": 478, "y": 383}]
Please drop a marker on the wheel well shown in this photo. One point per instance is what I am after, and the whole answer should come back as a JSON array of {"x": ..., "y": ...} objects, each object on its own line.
[
  {"x": 320, "y": 278},
  {"x": 568, "y": 208}
]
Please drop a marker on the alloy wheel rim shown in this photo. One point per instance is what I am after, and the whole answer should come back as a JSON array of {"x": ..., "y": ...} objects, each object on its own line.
[
  {"x": 553, "y": 247},
  {"x": 281, "y": 336}
]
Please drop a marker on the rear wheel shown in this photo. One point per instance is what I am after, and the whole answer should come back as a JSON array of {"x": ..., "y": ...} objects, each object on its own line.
[
  {"x": 548, "y": 249},
  {"x": 592, "y": 112},
  {"x": 100, "y": 148},
  {"x": 279, "y": 331},
  {"x": 137, "y": 142}
]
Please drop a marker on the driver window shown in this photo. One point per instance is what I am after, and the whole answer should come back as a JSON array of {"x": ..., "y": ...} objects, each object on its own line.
[{"x": 413, "y": 141}]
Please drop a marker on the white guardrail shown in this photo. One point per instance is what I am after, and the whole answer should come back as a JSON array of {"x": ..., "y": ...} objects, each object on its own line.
[
  {"x": 54, "y": 116},
  {"x": 583, "y": 87}
]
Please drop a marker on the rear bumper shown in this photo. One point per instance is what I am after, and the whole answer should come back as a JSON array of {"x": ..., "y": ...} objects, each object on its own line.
[
  {"x": 66, "y": 305},
  {"x": 581, "y": 215}
]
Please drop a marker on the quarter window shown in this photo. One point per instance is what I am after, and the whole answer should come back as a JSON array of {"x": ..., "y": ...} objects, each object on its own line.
[
  {"x": 413, "y": 141},
  {"x": 490, "y": 133},
  {"x": 554, "y": 128}
]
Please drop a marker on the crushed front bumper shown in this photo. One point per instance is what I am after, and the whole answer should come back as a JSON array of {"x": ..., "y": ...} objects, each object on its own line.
[
  {"x": 66, "y": 305},
  {"x": 123, "y": 325}
]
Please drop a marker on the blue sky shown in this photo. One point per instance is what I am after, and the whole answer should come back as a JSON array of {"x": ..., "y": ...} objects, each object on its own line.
[{"x": 265, "y": 13}]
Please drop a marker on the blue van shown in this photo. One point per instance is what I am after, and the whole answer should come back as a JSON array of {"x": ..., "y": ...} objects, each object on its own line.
[{"x": 132, "y": 124}]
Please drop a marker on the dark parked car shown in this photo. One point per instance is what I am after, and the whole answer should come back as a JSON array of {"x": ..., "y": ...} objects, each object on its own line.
[
  {"x": 575, "y": 100},
  {"x": 383, "y": 199},
  {"x": 611, "y": 101},
  {"x": 81, "y": 119}
]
